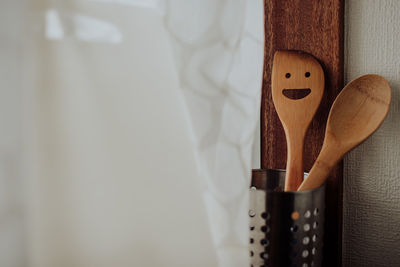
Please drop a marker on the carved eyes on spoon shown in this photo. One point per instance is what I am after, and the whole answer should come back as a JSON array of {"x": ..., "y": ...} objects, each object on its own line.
[{"x": 307, "y": 74}]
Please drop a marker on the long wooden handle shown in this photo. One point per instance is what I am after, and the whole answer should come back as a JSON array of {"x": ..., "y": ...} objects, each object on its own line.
[
  {"x": 318, "y": 174},
  {"x": 328, "y": 157},
  {"x": 294, "y": 163}
]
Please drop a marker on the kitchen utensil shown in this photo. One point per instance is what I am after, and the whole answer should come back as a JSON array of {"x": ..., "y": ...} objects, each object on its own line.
[
  {"x": 297, "y": 89},
  {"x": 286, "y": 228},
  {"x": 356, "y": 113}
]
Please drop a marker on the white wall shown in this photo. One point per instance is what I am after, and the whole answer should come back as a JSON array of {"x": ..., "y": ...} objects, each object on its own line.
[
  {"x": 372, "y": 171},
  {"x": 11, "y": 190}
]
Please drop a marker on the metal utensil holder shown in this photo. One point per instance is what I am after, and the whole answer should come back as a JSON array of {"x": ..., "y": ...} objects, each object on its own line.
[{"x": 286, "y": 228}]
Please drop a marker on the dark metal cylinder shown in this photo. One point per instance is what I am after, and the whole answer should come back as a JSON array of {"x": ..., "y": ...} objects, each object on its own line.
[{"x": 286, "y": 228}]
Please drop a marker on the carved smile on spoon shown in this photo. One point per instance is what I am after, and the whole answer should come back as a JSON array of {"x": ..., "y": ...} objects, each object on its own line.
[
  {"x": 297, "y": 93},
  {"x": 297, "y": 86}
]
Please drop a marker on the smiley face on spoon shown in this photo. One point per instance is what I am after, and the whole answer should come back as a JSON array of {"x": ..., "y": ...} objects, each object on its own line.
[
  {"x": 297, "y": 75},
  {"x": 297, "y": 89}
]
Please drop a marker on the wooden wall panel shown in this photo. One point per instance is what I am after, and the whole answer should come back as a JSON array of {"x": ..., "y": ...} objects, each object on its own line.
[{"x": 315, "y": 27}]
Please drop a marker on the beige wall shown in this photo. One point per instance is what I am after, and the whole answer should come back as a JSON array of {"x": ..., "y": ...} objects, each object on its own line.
[{"x": 372, "y": 179}]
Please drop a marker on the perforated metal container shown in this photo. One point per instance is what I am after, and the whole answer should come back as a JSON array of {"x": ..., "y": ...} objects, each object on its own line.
[{"x": 286, "y": 228}]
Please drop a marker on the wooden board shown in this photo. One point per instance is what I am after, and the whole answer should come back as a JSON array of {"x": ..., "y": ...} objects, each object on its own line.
[{"x": 315, "y": 27}]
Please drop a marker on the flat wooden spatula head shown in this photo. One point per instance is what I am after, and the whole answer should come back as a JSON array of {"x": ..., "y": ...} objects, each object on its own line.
[{"x": 297, "y": 89}]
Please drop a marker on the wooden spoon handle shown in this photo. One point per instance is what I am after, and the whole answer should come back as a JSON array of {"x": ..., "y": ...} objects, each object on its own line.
[
  {"x": 318, "y": 174},
  {"x": 328, "y": 157},
  {"x": 294, "y": 163}
]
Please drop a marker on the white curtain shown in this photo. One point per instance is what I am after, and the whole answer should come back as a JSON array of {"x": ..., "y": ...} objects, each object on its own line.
[
  {"x": 128, "y": 130},
  {"x": 219, "y": 52}
]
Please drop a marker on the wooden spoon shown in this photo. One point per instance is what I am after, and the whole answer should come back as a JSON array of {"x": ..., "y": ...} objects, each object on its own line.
[
  {"x": 356, "y": 113},
  {"x": 297, "y": 89}
]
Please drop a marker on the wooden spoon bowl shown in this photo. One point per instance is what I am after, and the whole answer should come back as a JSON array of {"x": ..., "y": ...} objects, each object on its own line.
[{"x": 357, "y": 112}]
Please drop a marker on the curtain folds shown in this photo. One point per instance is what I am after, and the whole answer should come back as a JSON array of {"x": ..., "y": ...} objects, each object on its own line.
[{"x": 128, "y": 131}]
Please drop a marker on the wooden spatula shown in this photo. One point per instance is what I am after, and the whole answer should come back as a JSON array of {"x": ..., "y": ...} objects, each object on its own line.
[
  {"x": 357, "y": 112},
  {"x": 297, "y": 89}
]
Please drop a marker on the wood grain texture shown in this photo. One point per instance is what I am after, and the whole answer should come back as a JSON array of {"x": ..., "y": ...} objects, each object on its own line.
[
  {"x": 315, "y": 27},
  {"x": 357, "y": 112}
]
